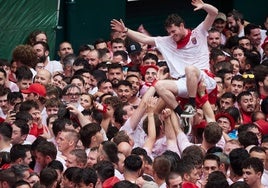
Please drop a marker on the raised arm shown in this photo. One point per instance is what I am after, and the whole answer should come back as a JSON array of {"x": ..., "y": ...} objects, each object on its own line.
[
  {"x": 151, "y": 137},
  {"x": 119, "y": 25},
  {"x": 139, "y": 112},
  {"x": 211, "y": 10},
  {"x": 169, "y": 131}
]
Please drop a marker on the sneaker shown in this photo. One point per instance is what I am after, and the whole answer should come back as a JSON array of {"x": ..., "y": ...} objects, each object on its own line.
[
  {"x": 189, "y": 111},
  {"x": 186, "y": 125}
]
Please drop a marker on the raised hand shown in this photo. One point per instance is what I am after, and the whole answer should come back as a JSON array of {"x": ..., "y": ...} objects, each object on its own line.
[
  {"x": 198, "y": 4},
  {"x": 118, "y": 25}
]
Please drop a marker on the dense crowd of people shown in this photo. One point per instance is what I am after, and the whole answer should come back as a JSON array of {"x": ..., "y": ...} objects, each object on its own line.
[{"x": 185, "y": 110}]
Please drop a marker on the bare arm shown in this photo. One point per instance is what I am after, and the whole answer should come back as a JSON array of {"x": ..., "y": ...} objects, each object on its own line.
[
  {"x": 139, "y": 112},
  {"x": 151, "y": 137},
  {"x": 169, "y": 131},
  {"x": 211, "y": 10},
  {"x": 119, "y": 25}
]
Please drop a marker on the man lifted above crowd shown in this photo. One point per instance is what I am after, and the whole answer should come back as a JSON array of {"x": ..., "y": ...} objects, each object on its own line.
[{"x": 186, "y": 53}]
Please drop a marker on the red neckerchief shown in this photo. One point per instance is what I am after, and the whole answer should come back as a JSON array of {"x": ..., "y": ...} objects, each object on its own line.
[{"x": 182, "y": 43}]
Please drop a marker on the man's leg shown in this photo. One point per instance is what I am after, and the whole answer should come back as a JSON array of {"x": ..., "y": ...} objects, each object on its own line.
[
  {"x": 167, "y": 90},
  {"x": 192, "y": 78}
]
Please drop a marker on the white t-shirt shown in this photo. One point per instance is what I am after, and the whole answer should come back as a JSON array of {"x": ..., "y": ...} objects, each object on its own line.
[
  {"x": 195, "y": 52},
  {"x": 54, "y": 66}
]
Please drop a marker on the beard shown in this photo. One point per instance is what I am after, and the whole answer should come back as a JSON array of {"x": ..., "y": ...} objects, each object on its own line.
[
  {"x": 235, "y": 29},
  {"x": 42, "y": 59}
]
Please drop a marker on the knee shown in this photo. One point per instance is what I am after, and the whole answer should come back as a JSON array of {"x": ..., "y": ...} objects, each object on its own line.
[{"x": 191, "y": 71}]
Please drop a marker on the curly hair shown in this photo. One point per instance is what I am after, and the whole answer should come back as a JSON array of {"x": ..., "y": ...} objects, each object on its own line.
[{"x": 25, "y": 54}]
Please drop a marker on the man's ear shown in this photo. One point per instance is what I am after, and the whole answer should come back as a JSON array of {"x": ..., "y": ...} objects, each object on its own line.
[
  {"x": 186, "y": 177},
  {"x": 46, "y": 53}
]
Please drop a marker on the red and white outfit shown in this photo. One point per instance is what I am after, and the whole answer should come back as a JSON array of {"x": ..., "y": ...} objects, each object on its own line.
[{"x": 195, "y": 53}]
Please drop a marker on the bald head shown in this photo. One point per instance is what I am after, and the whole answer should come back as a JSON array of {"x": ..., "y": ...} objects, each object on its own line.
[{"x": 43, "y": 77}]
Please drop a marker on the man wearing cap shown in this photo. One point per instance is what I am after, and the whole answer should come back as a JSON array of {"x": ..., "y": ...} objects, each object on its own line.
[
  {"x": 135, "y": 54},
  {"x": 37, "y": 93},
  {"x": 186, "y": 53},
  {"x": 220, "y": 24}
]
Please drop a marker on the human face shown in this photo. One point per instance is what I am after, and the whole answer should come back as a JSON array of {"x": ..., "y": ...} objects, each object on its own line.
[
  {"x": 194, "y": 176},
  {"x": 237, "y": 87},
  {"x": 245, "y": 43},
  {"x": 79, "y": 84},
  {"x": 86, "y": 77},
  {"x": 2, "y": 79},
  {"x": 43, "y": 77},
  {"x": 39, "y": 66},
  {"x": 63, "y": 142},
  {"x": 219, "y": 24},
  {"x": 57, "y": 81},
  {"x": 214, "y": 39},
  {"x": 175, "y": 182},
  {"x": 115, "y": 75},
  {"x": 239, "y": 54},
  {"x": 65, "y": 183},
  {"x": 124, "y": 93},
  {"x": 135, "y": 82},
  {"x": 236, "y": 66},
  {"x": 72, "y": 96},
  {"x": 250, "y": 176},
  {"x": 233, "y": 24},
  {"x": 106, "y": 87},
  {"x": 246, "y": 104},
  {"x": 176, "y": 32},
  {"x": 4, "y": 104},
  {"x": 65, "y": 49},
  {"x": 40, "y": 158},
  {"x": 40, "y": 52},
  {"x": 136, "y": 58},
  {"x": 86, "y": 101},
  {"x": 13, "y": 67},
  {"x": 41, "y": 37},
  {"x": 209, "y": 167},
  {"x": 226, "y": 103},
  {"x": 16, "y": 137},
  {"x": 33, "y": 180},
  {"x": 24, "y": 84},
  {"x": 227, "y": 80},
  {"x": 225, "y": 124},
  {"x": 118, "y": 46},
  {"x": 264, "y": 84},
  {"x": 28, "y": 159},
  {"x": 255, "y": 36},
  {"x": 150, "y": 75},
  {"x": 92, "y": 158},
  {"x": 92, "y": 58},
  {"x": 101, "y": 45},
  {"x": 36, "y": 114},
  {"x": 52, "y": 110},
  {"x": 71, "y": 161},
  {"x": 149, "y": 62}
]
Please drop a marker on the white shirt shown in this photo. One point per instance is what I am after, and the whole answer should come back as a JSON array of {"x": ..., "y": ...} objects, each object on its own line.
[
  {"x": 194, "y": 53},
  {"x": 54, "y": 66}
]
